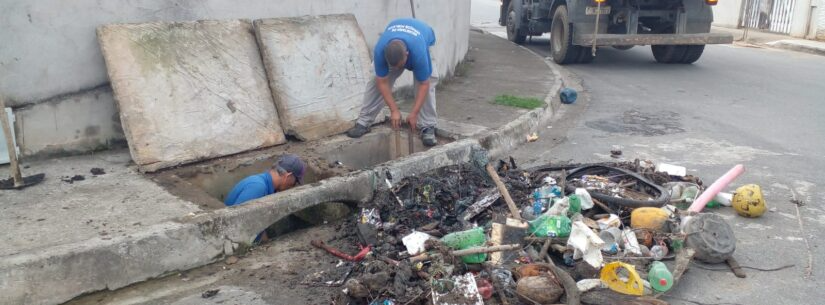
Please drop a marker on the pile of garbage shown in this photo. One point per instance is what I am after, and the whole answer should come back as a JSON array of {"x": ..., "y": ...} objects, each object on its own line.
[{"x": 612, "y": 233}]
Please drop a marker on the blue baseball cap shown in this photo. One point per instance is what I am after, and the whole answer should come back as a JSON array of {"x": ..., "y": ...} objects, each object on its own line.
[{"x": 292, "y": 164}]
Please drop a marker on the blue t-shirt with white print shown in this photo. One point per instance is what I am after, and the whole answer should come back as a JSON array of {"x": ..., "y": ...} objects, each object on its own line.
[{"x": 418, "y": 36}]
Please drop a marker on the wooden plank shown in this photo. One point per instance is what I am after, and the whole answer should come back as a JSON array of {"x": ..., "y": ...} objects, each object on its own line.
[{"x": 651, "y": 39}]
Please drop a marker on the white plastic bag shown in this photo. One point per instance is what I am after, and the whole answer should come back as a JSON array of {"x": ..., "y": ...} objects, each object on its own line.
[{"x": 586, "y": 200}]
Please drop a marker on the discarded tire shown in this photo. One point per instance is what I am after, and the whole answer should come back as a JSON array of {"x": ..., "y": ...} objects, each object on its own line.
[
  {"x": 711, "y": 237},
  {"x": 662, "y": 197}
]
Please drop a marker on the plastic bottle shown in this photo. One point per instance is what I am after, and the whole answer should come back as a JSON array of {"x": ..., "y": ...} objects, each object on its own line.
[
  {"x": 659, "y": 277},
  {"x": 556, "y": 191},
  {"x": 538, "y": 205},
  {"x": 550, "y": 226},
  {"x": 658, "y": 252},
  {"x": 575, "y": 205},
  {"x": 467, "y": 239}
]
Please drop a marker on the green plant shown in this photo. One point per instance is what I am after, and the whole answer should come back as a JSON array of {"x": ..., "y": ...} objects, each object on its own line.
[{"x": 516, "y": 101}]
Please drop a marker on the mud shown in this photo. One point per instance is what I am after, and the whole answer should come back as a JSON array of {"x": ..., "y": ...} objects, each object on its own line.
[
  {"x": 97, "y": 171},
  {"x": 72, "y": 179}
]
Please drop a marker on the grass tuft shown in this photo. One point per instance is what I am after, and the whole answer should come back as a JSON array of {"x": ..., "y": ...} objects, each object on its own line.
[{"x": 516, "y": 101}]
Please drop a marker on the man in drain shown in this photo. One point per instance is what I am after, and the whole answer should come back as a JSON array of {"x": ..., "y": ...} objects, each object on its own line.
[
  {"x": 287, "y": 172},
  {"x": 403, "y": 45}
]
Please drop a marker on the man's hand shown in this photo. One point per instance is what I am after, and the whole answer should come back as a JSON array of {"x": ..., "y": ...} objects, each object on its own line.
[
  {"x": 420, "y": 96},
  {"x": 412, "y": 119},
  {"x": 395, "y": 119}
]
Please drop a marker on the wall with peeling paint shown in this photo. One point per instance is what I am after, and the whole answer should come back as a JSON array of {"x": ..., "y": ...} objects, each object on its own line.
[{"x": 50, "y": 59}]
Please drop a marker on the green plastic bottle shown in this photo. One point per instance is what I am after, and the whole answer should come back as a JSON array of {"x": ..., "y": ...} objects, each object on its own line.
[
  {"x": 467, "y": 239},
  {"x": 575, "y": 205},
  {"x": 551, "y": 226},
  {"x": 659, "y": 277}
]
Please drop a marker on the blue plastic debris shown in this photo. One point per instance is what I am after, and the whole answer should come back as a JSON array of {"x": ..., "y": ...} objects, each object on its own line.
[{"x": 568, "y": 95}]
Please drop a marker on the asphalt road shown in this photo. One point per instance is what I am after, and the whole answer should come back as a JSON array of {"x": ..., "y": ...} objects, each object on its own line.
[{"x": 755, "y": 106}]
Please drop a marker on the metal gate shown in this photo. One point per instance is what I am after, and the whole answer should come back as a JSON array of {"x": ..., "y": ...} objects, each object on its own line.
[{"x": 768, "y": 15}]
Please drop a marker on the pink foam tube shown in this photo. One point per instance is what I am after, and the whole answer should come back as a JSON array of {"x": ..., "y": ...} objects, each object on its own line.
[{"x": 715, "y": 188}]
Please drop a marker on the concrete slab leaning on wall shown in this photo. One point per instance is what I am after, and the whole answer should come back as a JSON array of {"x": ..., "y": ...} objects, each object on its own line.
[
  {"x": 75, "y": 124},
  {"x": 189, "y": 91},
  {"x": 318, "y": 68}
]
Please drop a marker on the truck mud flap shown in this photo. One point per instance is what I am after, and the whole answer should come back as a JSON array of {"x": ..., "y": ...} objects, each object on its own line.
[{"x": 652, "y": 39}]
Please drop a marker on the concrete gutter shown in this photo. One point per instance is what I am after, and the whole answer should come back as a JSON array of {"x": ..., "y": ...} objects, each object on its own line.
[
  {"x": 806, "y": 46},
  {"x": 58, "y": 274}
]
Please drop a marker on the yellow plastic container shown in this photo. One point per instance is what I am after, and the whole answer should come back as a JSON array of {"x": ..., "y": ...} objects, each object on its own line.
[
  {"x": 648, "y": 218},
  {"x": 748, "y": 201},
  {"x": 622, "y": 278}
]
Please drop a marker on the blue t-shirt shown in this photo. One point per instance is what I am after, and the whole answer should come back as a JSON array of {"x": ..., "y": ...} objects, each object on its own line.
[
  {"x": 418, "y": 36},
  {"x": 252, "y": 187}
]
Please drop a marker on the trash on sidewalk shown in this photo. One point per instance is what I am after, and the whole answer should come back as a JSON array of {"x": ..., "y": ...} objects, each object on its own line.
[
  {"x": 670, "y": 169},
  {"x": 748, "y": 201},
  {"x": 586, "y": 244},
  {"x": 457, "y": 238},
  {"x": 459, "y": 290},
  {"x": 568, "y": 95},
  {"x": 415, "y": 242}
]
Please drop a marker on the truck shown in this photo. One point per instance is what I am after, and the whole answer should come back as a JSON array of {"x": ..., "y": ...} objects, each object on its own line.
[{"x": 676, "y": 30}]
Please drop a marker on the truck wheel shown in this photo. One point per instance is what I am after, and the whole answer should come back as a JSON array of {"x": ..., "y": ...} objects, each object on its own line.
[
  {"x": 514, "y": 34},
  {"x": 585, "y": 55},
  {"x": 693, "y": 53},
  {"x": 561, "y": 39},
  {"x": 677, "y": 54},
  {"x": 668, "y": 54}
]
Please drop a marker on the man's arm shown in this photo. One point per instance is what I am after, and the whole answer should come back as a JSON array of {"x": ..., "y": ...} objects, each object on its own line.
[
  {"x": 420, "y": 95},
  {"x": 386, "y": 92}
]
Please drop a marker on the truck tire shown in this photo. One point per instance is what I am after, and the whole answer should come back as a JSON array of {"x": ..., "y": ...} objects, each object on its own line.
[
  {"x": 585, "y": 55},
  {"x": 561, "y": 39},
  {"x": 677, "y": 54},
  {"x": 668, "y": 54},
  {"x": 514, "y": 34},
  {"x": 693, "y": 53}
]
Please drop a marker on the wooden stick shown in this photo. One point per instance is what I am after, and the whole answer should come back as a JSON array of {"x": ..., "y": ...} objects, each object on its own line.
[
  {"x": 425, "y": 256},
  {"x": 411, "y": 140},
  {"x": 503, "y": 190},
  {"x": 603, "y": 206},
  {"x": 485, "y": 250},
  {"x": 734, "y": 266},
  {"x": 397, "y": 143},
  {"x": 7, "y": 131}
]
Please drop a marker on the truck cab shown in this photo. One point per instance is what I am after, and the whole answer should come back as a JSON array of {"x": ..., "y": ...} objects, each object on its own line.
[{"x": 676, "y": 30}]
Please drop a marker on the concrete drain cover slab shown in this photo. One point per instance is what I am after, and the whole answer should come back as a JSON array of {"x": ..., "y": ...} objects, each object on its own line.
[
  {"x": 189, "y": 91},
  {"x": 318, "y": 68}
]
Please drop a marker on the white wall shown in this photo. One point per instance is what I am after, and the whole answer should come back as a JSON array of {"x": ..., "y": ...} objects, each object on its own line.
[
  {"x": 819, "y": 17},
  {"x": 49, "y": 52},
  {"x": 726, "y": 13}
]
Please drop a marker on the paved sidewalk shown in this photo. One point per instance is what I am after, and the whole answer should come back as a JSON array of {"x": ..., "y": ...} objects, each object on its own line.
[
  {"x": 121, "y": 227},
  {"x": 492, "y": 67},
  {"x": 756, "y": 37}
]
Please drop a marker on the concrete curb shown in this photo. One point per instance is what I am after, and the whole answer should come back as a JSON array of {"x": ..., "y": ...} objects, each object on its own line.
[
  {"x": 515, "y": 133},
  {"x": 813, "y": 47},
  {"x": 96, "y": 264}
]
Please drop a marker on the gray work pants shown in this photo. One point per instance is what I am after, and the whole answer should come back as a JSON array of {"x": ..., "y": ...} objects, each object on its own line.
[{"x": 374, "y": 102}]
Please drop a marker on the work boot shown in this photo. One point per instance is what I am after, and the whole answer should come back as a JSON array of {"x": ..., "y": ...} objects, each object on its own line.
[
  {"x": 428, "y": 136},
  {"x": 357, "y": 131}
]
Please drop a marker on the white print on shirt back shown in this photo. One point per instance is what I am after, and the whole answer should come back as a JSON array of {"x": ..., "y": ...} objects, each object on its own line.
[{"x": 404, "y": 28}]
